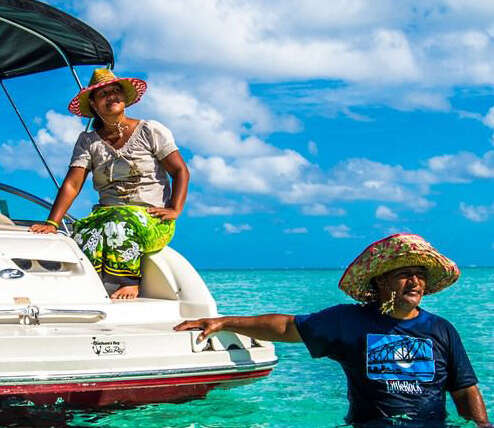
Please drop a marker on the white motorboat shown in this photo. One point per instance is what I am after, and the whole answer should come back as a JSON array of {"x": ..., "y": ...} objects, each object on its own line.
[{"x": 61, "y": 335}]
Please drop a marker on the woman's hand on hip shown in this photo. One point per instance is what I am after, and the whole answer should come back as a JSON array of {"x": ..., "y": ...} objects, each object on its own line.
[
  {"x": 164, "y": 213},
  {"x": 43, "y": 228}
]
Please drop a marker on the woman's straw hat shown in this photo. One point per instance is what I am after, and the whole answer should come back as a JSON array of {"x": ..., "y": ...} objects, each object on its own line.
[
  {"x": 394, "y": 252},
  {"x": 133, "y": 89}
]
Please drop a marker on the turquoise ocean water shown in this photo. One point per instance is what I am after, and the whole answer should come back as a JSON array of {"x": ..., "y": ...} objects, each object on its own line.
[{"x": 301, "y": 392}]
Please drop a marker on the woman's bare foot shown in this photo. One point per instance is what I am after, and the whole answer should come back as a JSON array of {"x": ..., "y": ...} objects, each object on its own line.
[{"x": 127, "y": 292}]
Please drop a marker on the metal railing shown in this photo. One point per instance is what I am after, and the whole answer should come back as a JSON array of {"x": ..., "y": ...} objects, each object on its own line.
[{"x": 34, "y": 315}]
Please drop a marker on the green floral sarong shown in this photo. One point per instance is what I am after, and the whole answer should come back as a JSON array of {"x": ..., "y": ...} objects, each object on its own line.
[{"x": 114, "y": 238}]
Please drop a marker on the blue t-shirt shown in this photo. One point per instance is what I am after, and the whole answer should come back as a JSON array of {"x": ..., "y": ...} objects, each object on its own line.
[{"x": 393, "y": 367}]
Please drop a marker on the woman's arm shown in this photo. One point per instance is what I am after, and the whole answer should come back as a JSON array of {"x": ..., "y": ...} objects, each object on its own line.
[
  {"x": 470, "y": 405},
  {"x": 177, "y": 169},
  {"x": 274, "y": 327},
  {"x": 71, "y": 186}
]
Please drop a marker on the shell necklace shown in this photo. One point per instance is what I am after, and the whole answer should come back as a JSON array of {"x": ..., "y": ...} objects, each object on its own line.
[{"x": 119, "y": 127}]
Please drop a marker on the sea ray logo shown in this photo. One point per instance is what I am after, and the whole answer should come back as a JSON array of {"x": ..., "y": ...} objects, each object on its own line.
[
  {"x": 108, "y": 346},
  {"x": 399, "y": 358}
]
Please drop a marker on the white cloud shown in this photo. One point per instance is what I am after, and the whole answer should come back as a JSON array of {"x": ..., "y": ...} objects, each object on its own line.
[
  {"x": 261, "y": 175},
  {"x": 462, "y": 167},
  {"x": 213, "y": 115},
  {"x": 312, "y": 148},
  {"x": 202, "y": 210},
  {"x": 355, "y": 116},
  {"x": 488, "y": 119},
  {"x": 63, "y": 128},
  {"x": 296, "y": 231},
  {"x": 263, "y": 40},
  {"x": 318, "y": 209},
  {"x": 463, "y": 114},
  {"x": 477, "y": 213},
  {"x": 291, "y": 179},
  {"x": 333, "y": 100},
  {"x": 217, "y": 173},
  {"x": 408, "y": 58},
  {"x": 55, "y": 141},
  {"x": 283, "y": 175},
  {"x": 199, "y": 126},
  {"x": 206, "y": 205},
  {"x": 234, "y": 229},
  {"x": 435, "y": 43},
  {"x": 393, "y": 230},
  {"x": 362, "y": 179},
  {"x": 339, "y": 231},
  {"x": 385, "y": 213},
  {"x": 424, "y": 100}
]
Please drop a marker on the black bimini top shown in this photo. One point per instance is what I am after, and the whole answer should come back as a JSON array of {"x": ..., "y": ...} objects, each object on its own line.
[{"x": 35, "y": 37}]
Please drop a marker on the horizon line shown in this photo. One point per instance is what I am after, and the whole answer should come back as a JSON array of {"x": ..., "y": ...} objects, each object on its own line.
[{"x": 310, "y": 268}]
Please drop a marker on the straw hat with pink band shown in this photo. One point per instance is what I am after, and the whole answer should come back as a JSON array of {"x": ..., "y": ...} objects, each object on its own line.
[
  {"x": 133, "y": 89},
  {"x": 394, "y": 252}
]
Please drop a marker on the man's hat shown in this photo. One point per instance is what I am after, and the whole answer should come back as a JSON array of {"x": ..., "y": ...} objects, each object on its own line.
[
  {"x": 133, "y": 89},
  {"x": 394, "y": 252}
]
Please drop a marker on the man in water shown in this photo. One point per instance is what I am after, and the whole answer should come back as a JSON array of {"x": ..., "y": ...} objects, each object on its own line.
[{"x": 398, "y": 358}]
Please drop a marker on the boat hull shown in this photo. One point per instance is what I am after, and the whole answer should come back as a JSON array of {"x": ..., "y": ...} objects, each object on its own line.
[
  {"x": 99, "y": 365},
  {"x": 62, "y": 337},
  {"x": 102, "y": 393}
]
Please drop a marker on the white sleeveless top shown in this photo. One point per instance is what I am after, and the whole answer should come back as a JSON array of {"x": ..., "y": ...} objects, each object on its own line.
[{"x": 131, "y": 175}]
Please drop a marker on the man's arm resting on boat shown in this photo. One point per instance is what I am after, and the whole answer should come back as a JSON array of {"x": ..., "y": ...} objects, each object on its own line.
[
  {"x": 470, "y": 405},
  {"x": 272, "y": 327},
  {"x": 71, "y": 186}
]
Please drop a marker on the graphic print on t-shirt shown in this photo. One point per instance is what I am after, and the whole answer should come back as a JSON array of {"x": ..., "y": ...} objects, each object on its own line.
[{"x": 393, "y": 357}]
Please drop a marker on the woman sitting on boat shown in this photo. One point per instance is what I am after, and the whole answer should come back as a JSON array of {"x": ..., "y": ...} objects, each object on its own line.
[{"x": 130, "y": 160}]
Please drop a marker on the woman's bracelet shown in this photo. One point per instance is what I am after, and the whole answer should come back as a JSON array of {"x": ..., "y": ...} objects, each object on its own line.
[{"x": 52, "y": 223}]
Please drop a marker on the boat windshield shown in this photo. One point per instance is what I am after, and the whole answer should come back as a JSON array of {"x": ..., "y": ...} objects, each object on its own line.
[{"x": 23, "y": 208}]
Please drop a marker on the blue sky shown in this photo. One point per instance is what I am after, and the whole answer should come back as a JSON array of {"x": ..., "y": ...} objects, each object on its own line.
[{"x": 310, "y": 131}]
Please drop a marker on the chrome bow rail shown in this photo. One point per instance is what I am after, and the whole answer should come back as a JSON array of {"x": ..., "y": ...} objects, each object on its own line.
[{"x": 33, "y": 315}]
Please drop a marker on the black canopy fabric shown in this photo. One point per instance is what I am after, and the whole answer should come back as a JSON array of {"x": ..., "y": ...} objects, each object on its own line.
[{"x": 24, "y": 53}]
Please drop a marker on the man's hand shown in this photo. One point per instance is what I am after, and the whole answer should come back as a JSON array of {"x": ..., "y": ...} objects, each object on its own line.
[
  {"x": 273, "y": 327},
  {"x": 164, "y": 213},
  {"x": 207, "y": 325},
  {"x": 43, "y": 228}
]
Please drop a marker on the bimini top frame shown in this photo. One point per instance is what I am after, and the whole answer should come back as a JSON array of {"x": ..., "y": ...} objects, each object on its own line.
[{"x": 35, "y": 37}]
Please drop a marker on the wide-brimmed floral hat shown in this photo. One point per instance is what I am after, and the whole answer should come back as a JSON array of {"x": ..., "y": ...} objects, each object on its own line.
[
  {"x": 133, "y": 89},
  {"x": 397, "y": 251}
]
